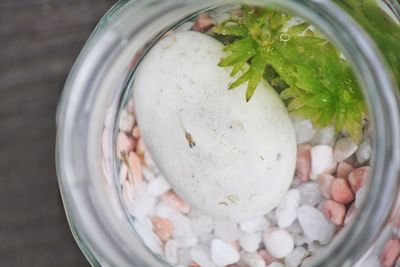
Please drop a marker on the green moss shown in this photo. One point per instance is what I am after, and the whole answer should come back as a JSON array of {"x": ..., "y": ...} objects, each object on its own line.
[{"x": 305, "y": 68}]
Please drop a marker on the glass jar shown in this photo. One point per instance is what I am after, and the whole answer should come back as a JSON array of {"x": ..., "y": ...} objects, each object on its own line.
[{"x": 99, "y": 86}]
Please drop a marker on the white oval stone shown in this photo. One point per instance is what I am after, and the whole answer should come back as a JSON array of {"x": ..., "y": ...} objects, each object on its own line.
[
  {"x": 278, "y": 242},
  {"x": 222, "y": 253},
  {"x": 242, "y": 158}
]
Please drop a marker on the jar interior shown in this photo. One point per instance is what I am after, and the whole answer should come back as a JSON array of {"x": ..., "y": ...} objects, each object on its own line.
[{"x": 334, "y": 141}]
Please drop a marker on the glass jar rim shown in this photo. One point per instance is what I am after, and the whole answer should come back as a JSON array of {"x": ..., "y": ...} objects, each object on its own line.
[{"x": 82, "y": 101}]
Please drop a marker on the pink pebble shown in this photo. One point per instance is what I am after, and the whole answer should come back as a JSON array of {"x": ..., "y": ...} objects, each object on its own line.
[
  {"x": 341, "y": 191},
  {"x": 390, "y": 253},
  {"x": 193, "y": 264},
  {"x": 350, "y": 213},
  {"x": 162, "y": 228},
  {"x": 136, "y": 168},
  {"x": 325, "y": 184},
  {"x": 333, "y": 211},
  {"x": 136, "y": 132},
  {"x": 124, "y": 143},
  {"x": 203, "y": 23},
  {"x": 303, "y": 162},
  {"x": 175, "y": 202},
  {"x": 267, "y": 257},
  {"x": 358, "y": 178},
  {"x": 344, "y": 169},
  {"x": 140, "y": 148}
]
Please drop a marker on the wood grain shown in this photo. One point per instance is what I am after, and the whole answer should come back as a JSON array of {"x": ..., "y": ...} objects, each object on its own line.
[{"x": 39, "y": 41}]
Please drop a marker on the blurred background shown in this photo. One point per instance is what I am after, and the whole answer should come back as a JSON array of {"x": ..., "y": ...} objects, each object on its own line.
[{"x": 39, "y": 41}]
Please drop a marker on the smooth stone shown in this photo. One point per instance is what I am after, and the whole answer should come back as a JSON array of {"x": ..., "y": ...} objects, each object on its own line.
[{"x": 230, "y": 158}]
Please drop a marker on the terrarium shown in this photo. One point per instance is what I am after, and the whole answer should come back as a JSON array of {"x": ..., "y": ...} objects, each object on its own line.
[{"x": 235, "y": 133}]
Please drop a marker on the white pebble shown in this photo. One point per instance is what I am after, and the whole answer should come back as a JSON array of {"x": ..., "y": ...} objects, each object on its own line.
[
  {"x": 372, "y": 261},
  {"x": 226, "y": 230},
  {"x": 344, "y": 149},
  {"x": 315, "y": 225},
  {"x": 183, "y": 231},
  {"x": 164, "y": 210},
  {"x": 364, "y": 151},
  {"x": 222, "y": 253},
  {"x": 148, "y": 175},
  {"x": 201, "y": 255},
  {"x": 324, "y": 136},
  {"x": 310, "y": 194},
  {"x": 304, "y": 130},
  {"x": 322, "y": 161},
  {"x": 361, "y": 195},
  {"x": 278, "y": 242},
  {"x": 171, "y": 251},
  {"x": 252, "y": 260},
  {"x": 250, "y": 242},
  {"x": 144, "y": 228},
  {"x": 276, "y": 264},
  {"x": 159, "y": 186},
  {"x": 294, "y": 228},
  {"x": 206, "y": 239},
  {"x": 299, "y": 239},
  {"x": 126, "y": 121},
  {"x": 296, "y": 257},
  {"x": 255, "y": 225},
  {"x": 143, "y": 203},
  {"x": 315, "y": 248},
  {"x": 184, "y": 257},
  {"x": 286, "y": 212}
]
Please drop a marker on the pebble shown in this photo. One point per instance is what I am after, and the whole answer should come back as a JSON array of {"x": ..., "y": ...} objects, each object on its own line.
[
  {"x": 322, "y": 161},
  {"x": 163, "y": 210},
  {"x": 126, "y": 121},
  {"x": 364, "y": 151},
  {"x": 299, "y": 239},
  {"x": 344, "y": 169},
  {"x": 278, "y": 242},
  {"x": 304, "y": 130},
  {"x": 127, "y": 191},
  {"x": 162, "y": 228},
  {"x": 341, "y": 191},
  {"x": 135, "y": 168},
  {"x": 358, "y": 178},
  {"x": 296, "y": 257},
  {"x": 183, "y": 231},
  {"x": 310, "y": 194},
  {"x": 159, "y": 186},
  {"x": 176, "y": 202},
  {"x": 344, "y": 148},
  {"x": 203, "y": 23},
  {"x": 143, "y": 204},
  {"x": 286, "y": 212},
  {"x": 324, "y": 136},
  {"x": 276, "y": 264},
  {"x": 255, "y": 225},
  {"x": 201, "y": 255},
  {"x": 303, "y": 162},
  {"x": 325, "y": 184},
  {"x": 252, "y": 260},
  {"x": 171, "y": 251},
  {"x": 222, "y": 253},
  {"x": 294, "y": 228},
  {"x": 266, "y": 256},
  {"x": 373, "y": 261},
  {"x": 315, "y": 226},
  {"x": 390, "y": 253},
  {"x": 124, "y": 143},
  {"x": 350, "y": 214},
  {"x": 130, "y": 107},
  {"x": 226, "y": 230},
  {"x": 334, "y": 211},
  {"x": 250, "y": 242},
  {"x": 136, "y": 132},
  {"x": 184, "y": 257},
  {"x": 361, "y": 196},
  {"x": 145, "y": 228}
]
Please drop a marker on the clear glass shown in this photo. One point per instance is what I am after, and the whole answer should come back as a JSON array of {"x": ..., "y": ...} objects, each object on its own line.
[{"x": 98, "y": 87}]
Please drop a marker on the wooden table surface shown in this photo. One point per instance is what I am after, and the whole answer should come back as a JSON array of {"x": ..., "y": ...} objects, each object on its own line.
[{"x": 39, "y": 41}]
